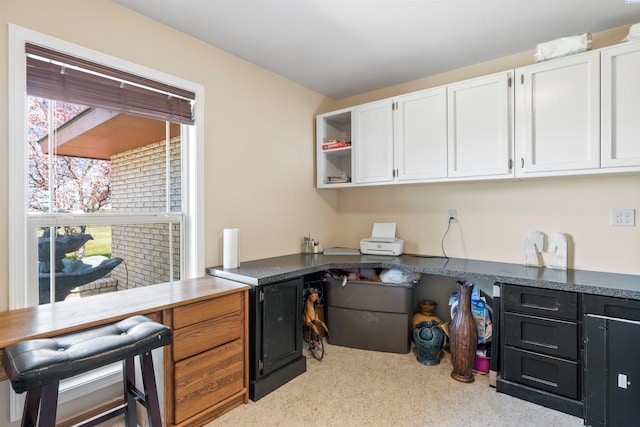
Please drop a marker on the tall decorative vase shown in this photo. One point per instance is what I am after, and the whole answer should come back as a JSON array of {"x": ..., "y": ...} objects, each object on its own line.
[{"x": 463, "y": 336}]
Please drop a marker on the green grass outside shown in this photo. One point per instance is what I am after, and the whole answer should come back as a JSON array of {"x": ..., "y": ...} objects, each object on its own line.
[{"x": 101, "y": 243}]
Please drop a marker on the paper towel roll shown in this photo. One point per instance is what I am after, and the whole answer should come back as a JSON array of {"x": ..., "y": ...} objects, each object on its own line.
[{"x": 231, "y": 251}]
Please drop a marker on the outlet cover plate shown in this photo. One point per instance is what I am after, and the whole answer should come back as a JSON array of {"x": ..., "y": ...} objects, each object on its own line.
[{"x": 623, "y": 217}]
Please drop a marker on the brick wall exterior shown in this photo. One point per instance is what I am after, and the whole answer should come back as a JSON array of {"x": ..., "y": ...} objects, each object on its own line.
[
  {"x": 100, "y": 286},
  {"x": 137, "y": 185}
]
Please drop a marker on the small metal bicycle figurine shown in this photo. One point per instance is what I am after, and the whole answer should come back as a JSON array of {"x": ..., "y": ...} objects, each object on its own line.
[{"x": 313, "y": 328}]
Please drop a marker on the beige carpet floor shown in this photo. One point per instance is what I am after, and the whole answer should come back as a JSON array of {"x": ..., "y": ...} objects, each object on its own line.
[{"x": 352, "y": 387}]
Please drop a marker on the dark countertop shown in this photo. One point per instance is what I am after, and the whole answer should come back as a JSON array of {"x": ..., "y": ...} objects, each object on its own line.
[{"x": 271, "y": 270}]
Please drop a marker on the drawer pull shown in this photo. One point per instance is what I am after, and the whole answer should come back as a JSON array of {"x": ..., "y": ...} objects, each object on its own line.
[
  {"x": 540, "y": 307},
  {"x": 541, "y": 344},
  {"x": 541, "y": 381}
]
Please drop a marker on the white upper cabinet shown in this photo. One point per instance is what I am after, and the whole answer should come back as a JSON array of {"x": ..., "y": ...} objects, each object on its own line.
[
  {"x": 621, "y": 105},
  {"x": 420, "y": 135},
  {"x": 373, "y": 142},
  {"x": 558, "y": 116},
  {"x": 567, "y": 116},
  {"x": 401, "y": 139},
  {"x": 480, "y": 127}
]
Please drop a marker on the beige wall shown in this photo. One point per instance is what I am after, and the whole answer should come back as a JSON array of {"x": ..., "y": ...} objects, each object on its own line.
[
  {"x": 599, "y": 40},
  {"x": 493, "y": 217},
  {"x": 259, "y": 152},
  {"x": 259, "y": 137}
]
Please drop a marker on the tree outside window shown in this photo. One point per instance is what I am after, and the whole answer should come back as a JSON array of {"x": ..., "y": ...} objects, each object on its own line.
[{"x": 82, "y": 185}]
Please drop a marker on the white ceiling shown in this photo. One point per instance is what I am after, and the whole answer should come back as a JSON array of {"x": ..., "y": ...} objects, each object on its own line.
[{"x": 341, "y": 48}]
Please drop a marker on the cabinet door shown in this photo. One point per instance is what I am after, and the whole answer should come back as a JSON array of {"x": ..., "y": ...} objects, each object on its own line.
[
  {"x": 621, "y": 105},
  {"x": 480, "y": 113},
  {"x": 373, "y": 142},
  {"x": 420, "y": 135},
  {"x": 558, "y": 111},
  {"x": 611, "y": 371},
  {"x": 281, "y": 318}
]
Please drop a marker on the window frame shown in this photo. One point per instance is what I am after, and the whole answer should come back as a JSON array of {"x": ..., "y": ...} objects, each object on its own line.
[
  {"x": 19, "y": 230},
  {"x": 19, "y": 224}
]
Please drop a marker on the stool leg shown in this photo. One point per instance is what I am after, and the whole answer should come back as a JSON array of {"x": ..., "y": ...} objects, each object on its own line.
[
  {"x": 150, "y": 389},
  {"x": 49, "y": 406},
  {"x": 31, "y": 407},
  {"x": 129, "y": 383}
]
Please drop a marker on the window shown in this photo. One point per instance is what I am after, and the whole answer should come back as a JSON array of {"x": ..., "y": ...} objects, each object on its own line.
[
  {"x": 85, "y": 166},
  {"x": 136, "y": 173},
  {"x": 49, "y": 201}
]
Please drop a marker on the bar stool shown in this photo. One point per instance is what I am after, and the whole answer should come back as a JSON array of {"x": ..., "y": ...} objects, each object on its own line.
[{"x": 37, "y": 366}]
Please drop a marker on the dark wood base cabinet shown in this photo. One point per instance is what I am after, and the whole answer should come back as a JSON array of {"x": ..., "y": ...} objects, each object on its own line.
[
  {"x": 576, "y": 353},
  {"x": 541, "y": 347},
  {"x": 275, "y": 327}
]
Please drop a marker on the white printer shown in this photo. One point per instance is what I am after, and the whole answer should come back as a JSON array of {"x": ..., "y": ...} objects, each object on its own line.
[{"x": 383, "y": 240}]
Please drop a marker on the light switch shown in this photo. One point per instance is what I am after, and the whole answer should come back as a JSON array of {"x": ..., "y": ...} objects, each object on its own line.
[{"x": 622, "y": 381}]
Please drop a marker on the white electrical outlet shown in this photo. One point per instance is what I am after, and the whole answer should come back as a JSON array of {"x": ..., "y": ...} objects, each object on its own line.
[
  {"x": 452, "y": 215},
  {"x": 623, "y": 217}
]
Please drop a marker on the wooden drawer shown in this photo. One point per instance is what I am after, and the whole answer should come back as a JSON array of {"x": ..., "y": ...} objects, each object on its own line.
[
  {"x": 541, "y": 302},
  {"x": 204, "y": 380},
  {"x": 207, "y": 334},
  {"x": 555, "y": 375},
  {"x": 200, "y": 311},
  {"x": 548, "y": 336}
]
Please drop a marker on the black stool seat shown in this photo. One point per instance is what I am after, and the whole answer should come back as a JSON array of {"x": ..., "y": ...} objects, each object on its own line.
[{"x": 33, "y": 364}]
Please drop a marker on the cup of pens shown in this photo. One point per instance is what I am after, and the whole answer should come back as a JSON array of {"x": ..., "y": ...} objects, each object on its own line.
[{"x": 311, "y": 246}]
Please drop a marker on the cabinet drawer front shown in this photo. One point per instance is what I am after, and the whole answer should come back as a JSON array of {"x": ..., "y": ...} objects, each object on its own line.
[
  {"x": 541, "y": 302},
  {"x": 208, "y": 378},
  {"x": 548, "y": 373},
  {"x": 369, "y": 330},
  {"x": 197, "y": 312},
  {"x": 552, "y": 337},
  {"x": 371, "y": 296},
  {"x": 208, "y": 334},
  {"x": 611, "y": 307}
]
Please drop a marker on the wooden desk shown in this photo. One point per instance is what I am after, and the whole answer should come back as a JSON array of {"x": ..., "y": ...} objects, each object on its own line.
[{"x": 212, "y": 309}]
